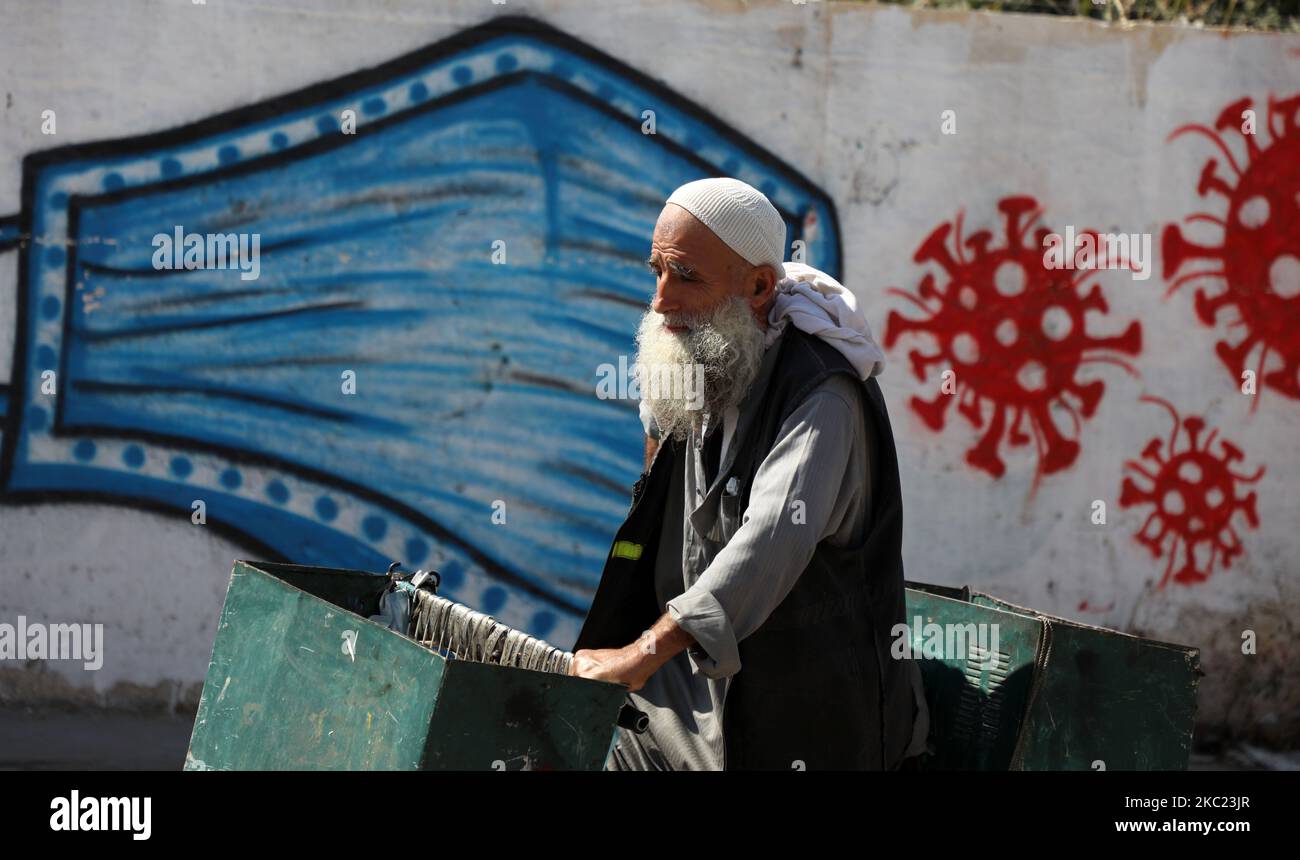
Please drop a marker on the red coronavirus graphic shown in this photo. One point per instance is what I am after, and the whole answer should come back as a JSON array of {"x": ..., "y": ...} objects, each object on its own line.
[
  {"x": 1194, "y": 495},
  {"x": 1014, "y": 332},
  {"x": 1258, "y": 259}
]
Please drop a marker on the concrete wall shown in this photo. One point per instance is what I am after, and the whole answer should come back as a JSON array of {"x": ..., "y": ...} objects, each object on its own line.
[{"x": 475, "y": 382}]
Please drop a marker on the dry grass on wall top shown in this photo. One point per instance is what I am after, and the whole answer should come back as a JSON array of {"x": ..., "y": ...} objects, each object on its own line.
[{"x": 1281, "y": 15}]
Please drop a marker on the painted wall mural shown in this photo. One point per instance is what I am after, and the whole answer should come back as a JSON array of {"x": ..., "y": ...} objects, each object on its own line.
[
  {"x": 1255, "y": 260},
  {"x": 1014, "y": 333},
  {"x": 1192, "y": 490},
  {"x": 473, "y": 381}
]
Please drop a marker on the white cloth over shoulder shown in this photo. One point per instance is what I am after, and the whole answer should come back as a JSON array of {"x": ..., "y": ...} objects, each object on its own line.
[{"x": 821, "y": 306}]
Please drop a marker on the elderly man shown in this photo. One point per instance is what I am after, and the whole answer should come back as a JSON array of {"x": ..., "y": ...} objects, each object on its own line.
[{"x": 748, "y": 599}]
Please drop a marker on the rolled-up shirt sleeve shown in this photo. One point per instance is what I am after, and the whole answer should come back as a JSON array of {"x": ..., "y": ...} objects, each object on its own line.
[{"x": 753, "y": 573}]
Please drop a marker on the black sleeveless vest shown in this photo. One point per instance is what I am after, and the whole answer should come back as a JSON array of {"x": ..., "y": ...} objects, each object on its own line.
[{"x": 817, "y": 687}]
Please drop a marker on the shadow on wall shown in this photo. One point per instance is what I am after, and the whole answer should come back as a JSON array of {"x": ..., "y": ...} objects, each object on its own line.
[{"x": 364, "y": 321}]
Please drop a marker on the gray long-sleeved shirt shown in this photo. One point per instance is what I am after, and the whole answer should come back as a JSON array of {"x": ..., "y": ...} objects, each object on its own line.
[{"x": 812, "y": 486}]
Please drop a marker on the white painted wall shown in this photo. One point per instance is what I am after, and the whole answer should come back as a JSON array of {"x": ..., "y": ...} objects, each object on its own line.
[{"x": 1075, "y": 114}]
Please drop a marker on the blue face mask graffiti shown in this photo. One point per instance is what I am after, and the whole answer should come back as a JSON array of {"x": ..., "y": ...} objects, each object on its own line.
[{"x": 410, "y": 373}]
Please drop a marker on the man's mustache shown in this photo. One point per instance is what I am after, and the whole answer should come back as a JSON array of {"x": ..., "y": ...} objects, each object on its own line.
[{"x": 688, "y": 321}]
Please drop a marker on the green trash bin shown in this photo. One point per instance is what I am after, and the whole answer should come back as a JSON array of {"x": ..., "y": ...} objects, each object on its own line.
[
  {"x": 1054, "y": 695},
  {"x": 302, "y": 679}
]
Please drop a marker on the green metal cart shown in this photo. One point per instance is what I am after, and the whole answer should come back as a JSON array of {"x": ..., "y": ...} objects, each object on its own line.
[{"x": 301, "y": 678}]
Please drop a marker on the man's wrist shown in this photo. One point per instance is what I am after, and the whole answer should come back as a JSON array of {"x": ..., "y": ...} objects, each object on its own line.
[{"x": 656, "y": 646}]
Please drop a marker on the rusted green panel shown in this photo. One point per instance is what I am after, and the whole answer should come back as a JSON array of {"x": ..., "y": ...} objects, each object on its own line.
[
  {"x": 300, "y": 678},
  {"x": 1074, "y": 697}
]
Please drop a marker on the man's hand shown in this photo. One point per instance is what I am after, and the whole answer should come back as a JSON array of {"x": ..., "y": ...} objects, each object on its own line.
[
  {"x": 633, "y": 664},
  {"x": 625, "y": 666}
]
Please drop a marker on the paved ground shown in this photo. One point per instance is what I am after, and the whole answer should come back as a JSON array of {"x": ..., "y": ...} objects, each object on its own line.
[
  {"x": 97, "y": 740},
  {"x": 91, "y": 740}
]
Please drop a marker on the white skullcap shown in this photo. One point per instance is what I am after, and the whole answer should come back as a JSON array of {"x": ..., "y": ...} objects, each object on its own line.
[{"x": 739, "y": 214}]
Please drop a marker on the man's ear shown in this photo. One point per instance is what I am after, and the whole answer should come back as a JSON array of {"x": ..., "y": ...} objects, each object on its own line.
[{"x": 762, "y": 285}]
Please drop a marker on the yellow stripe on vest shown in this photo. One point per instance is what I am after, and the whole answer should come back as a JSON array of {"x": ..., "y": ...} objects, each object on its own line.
[{"x": 626, "y": 549}]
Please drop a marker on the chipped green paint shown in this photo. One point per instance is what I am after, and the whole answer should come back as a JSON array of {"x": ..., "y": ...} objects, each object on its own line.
[{"x": 300, "y": 678}]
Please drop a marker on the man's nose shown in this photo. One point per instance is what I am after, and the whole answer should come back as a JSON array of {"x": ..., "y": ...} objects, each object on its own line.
[{"x": 664, "y": 302}]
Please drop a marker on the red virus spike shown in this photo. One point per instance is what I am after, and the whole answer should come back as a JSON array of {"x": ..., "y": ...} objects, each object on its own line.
[
  {"x": 1208, "y": 307},
  {"x": 931, "y": 412},
  {"x": 1175, "y": 250},
  {"x": 1193, "y": 495},
  {"x": 1130, "y": 494},
  {"x": 1251, "y": 284},
  {"x": 1231, "y": 451},
  {"x": 985, "y": 454},
  {"x": 895, "y": 325},
  {"x": 1016, "y": 208},
  {"x": 1129, "y": 343},
  {"x": 1231, "y": 118},
  {"x": 1284, "y": 379},
  {"x": 1016, "y": 334},
  {"x": 920, "y": 361},
  {"x": 1189, "y": 575},
  {"x": 1288, "y": 110},
  {"x": 1058, "y": 452},
  {"x": 1095, "y": 301},
  {"x": 1018, "y": 436},
  {"x": 1212, "y": 181},
  {"x": 1248, "y": 508},
  {"x": 978, "y": 243},
  {"x": 1089, "y": 396},
  {"x": 927, "y": 290},
  {"x": 935, "y": 249},
  {"x": 970, "y": 407}
]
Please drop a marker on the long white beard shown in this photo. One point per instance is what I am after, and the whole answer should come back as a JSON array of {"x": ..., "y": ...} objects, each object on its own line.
[{"x": 725, "y": 347}]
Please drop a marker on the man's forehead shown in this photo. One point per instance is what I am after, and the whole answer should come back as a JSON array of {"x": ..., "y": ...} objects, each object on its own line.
[
  {"x": 674, "y": 219},
  {"x": 688, "y": 234}
]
